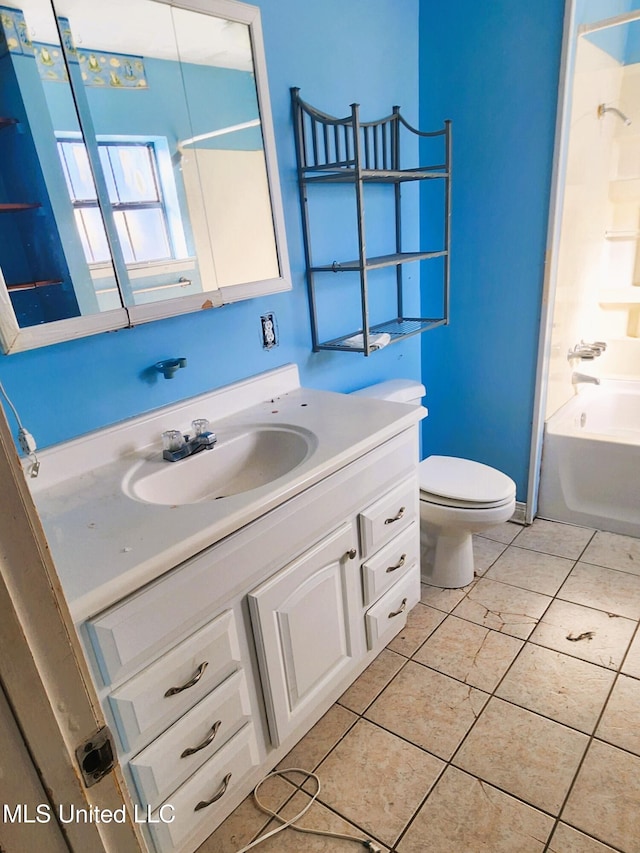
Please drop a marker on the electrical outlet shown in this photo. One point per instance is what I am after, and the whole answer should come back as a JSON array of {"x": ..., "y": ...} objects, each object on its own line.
[{"x": 269, "y": 331}]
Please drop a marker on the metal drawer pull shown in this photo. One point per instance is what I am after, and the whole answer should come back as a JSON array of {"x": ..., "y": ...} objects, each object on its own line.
[
  {"x": 196, "y": 678},
  {"x": 398, "y": 565},
  {"x": 352, "y": 554},
  {"x": 403, "y": 607},
  {"x": 209, "y": 739},
  {"x": 395, "y": 517},
  {"x": 219, "y": 793}
]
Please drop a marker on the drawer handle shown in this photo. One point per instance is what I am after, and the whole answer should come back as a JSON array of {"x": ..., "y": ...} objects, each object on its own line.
[
  {"x": 352, "y": 554},
  {"x": 395, "y": 517},
  {"x": 196, "y": 678},
  {"x": 398, "y": 565},
  {"x": 402, "y": 608},
  {"x": 219, "y": 793},
  {"x": 209, "y": 739}
]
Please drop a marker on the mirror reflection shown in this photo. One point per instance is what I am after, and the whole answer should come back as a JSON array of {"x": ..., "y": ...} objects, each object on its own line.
[
  {"x": 151, "y": 169},
  {"x": 44, "y": 265}
]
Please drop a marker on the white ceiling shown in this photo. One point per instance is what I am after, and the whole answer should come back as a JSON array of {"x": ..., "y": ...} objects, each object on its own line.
[{"x": 143, "y": 28}]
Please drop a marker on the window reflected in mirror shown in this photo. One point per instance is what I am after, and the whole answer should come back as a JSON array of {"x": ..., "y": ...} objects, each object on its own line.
[
  {"x": 140, "y": 169},
  {"x": 185, "y": 167}
]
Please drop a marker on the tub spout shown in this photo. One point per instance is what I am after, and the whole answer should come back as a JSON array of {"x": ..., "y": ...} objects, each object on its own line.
[{"x": 577, "y": 378}]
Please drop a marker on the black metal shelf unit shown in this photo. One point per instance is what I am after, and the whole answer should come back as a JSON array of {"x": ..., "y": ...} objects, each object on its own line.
[{"x": 347, "y": 151}]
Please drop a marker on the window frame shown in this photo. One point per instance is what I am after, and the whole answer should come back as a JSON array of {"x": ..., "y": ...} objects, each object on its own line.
[{"x": 164, "y": 181}]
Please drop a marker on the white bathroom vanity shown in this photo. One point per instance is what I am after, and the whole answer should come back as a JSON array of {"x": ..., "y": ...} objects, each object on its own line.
[{"x": 220, "y": 624}]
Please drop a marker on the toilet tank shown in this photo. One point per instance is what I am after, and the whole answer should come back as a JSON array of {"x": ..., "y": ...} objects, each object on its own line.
[{"x": 397, "y": 390}]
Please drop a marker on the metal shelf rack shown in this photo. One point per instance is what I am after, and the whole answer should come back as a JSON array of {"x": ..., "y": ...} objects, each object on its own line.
[{"x": 334, "y": 150}]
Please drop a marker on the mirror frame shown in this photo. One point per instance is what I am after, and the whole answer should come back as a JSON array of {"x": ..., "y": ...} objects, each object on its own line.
[{"x": 14, "y": 338}]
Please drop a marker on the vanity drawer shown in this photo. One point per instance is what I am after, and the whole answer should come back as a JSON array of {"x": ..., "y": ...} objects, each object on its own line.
[
  {"x": 389, "y": 614},
  {"x": 382, "y": 520},
  {"x": 390, "y": 563},
  {"x": 162, "y": 766},
  {"x": 202, "y": 798},
  {"x": 142, "y": 708},
  {"x": 134, "y": 632}
]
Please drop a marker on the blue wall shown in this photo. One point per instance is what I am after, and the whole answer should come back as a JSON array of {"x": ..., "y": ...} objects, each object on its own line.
[
  {"x": 493, "y": 69},
  {"x": 337, "y": 52},
  {"x": 621, "y": 42}
]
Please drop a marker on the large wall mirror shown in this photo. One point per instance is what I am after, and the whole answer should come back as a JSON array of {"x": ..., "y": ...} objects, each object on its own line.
[{"x": 138, "y": 176}]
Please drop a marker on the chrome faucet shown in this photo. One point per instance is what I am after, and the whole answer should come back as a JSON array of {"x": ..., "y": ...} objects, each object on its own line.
[
  {"x": 576, "y": 378},
  {"x": 587, "y": 351},
  {"x": 178, "y": 446}
]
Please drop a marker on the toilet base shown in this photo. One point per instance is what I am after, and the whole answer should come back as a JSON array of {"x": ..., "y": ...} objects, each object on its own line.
[{"x": 447, "y": 559}]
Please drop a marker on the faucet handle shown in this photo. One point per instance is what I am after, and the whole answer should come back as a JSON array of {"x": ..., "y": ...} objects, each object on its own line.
[
  {"x": 172, "y": 440},
  {"x": 202, "y": 435},
  {"x": 583, "y": 350},
  {"x": 200, "y": 426}
]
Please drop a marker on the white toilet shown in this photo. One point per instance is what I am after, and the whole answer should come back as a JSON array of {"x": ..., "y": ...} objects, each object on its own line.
[{"x": 458, "y": 498}]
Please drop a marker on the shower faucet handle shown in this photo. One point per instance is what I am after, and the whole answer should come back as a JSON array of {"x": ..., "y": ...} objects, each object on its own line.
[
  {"x": 598, "y": 347},
  {"x": 584, "y": 350}
]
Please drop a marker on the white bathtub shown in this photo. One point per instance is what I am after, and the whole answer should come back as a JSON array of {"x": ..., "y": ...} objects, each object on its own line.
[{"x": 591, "y": 459}]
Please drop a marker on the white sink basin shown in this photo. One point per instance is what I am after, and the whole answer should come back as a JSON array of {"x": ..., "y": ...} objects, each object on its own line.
[{"x": 243, "y": 459}]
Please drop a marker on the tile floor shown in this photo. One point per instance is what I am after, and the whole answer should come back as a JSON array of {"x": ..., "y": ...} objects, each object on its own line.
[{"x": 505, "y": 718}]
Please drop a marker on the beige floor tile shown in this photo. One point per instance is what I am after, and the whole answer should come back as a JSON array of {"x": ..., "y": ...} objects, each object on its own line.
[
  {"x": 565, "y": 839},
  {"x": 614, "y": 551},
  {"x": 443, "y": 599},
  {"x": 317, "y": 817},
  {"x": 604, "y": 638},
  {"x": 553, "y": 537},
  {"x": 504, "y": 533},
  {"x": 247, "y": 821},
  {"x": 469, "y": 652},
  {"x": 503, "y": 607},
  {"x": 631, "y": 666},
  {"x": 605, "y": 589},
  {"x": 569, "y": 690},
  {"x": 319, "y": 740},
  {"x": 428, "y": 709},
  {"x": 372, "y": 681},
  {"x": 522, "y": 753},
  {"x": 376, "y": 780},
  {"x": 531, "y": 570},
  {"x": 605, "y": 800},
  {"x": 485, "y": 553},
  {"x": 620, "y": 723},
  {"x": 465, "y": 815},
  {"x": 421, "y": 622}
]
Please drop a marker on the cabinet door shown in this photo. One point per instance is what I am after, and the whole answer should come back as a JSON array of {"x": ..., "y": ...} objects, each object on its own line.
[{"x": 308, "y": 628}]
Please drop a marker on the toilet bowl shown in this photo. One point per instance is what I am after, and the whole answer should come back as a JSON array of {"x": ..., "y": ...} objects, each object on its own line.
[{"x": 458, "y": 497}]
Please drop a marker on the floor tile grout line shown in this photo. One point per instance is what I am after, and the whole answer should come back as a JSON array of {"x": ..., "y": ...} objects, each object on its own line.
[
  {"x": 524, "y": 641},
  {"x": 360, "y": 715},
  {"x": 592, "y": 738},
  {"x": 420, "y": 805},
  {"x": 449, "y": 763},
  {"x": 300, "y": 789},
  {"x": 527, "y": 640},
  {"x": 558, "y": 821},
  {"x": 609, "y": 568}
]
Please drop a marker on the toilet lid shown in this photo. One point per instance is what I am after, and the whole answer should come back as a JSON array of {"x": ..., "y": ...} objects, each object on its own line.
[{"x": 464, "y": 480}]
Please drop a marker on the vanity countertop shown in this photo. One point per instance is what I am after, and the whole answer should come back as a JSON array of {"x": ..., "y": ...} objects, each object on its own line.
[{"x": 106, "y": 544}]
